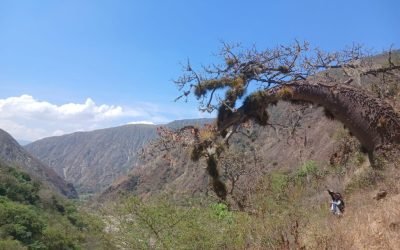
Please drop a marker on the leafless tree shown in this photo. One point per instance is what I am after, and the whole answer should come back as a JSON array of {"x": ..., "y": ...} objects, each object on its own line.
[
  {"x": 239, "y": 165},
  {"x": 294, "y": 73}
]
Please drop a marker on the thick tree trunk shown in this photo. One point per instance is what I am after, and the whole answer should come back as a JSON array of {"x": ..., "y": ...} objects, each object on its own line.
[{"x": 372, "y": 121}]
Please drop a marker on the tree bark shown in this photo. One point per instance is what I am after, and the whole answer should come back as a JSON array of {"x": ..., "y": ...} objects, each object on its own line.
[{"x": 371, "y": 120}]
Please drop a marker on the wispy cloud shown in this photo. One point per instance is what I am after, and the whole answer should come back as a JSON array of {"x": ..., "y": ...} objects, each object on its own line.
[
  {"x": 30, "y": 119},
  {"x": 142, "y": 122}
]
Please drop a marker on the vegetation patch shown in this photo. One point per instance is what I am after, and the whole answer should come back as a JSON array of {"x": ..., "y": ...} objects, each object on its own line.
[{"x": 33, "y": 217}]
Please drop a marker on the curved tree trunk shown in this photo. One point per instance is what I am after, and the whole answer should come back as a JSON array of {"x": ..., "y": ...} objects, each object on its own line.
[{"x": 372, "y": 121}]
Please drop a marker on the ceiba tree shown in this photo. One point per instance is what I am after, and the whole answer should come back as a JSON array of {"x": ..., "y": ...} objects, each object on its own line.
[{"x": 294, "y": 73}]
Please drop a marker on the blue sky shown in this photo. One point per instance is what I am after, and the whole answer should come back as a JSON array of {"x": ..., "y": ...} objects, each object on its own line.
[{"x": 82, "y": 65}]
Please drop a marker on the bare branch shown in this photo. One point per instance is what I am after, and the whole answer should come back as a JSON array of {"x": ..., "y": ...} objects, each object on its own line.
[{"x": 292, "y": 73}]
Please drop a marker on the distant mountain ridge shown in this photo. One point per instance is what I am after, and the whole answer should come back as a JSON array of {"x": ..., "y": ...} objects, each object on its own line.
[
  {"x": 274, "y": 149},
  {"x": 15, "y": 155},
  {"x": 93, "y": 160}
]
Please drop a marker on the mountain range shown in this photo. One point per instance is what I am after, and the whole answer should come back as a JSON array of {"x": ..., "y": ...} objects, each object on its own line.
[
  {"x": 15, "y": 155},
  {"x": 93, "y": 160},
  {"x": 312, "y": 138}
]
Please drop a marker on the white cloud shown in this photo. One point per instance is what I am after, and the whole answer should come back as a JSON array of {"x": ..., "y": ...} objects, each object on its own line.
[
  {"x": 27, "y": 118},
  {"x": 26, "y": 106}
]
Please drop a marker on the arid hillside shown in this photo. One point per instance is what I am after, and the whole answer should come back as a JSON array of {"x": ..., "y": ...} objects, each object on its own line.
[
  {"x": 296, "y": 134},
  {"x": 277, "y": 177},
  {"x": 93, "y": 160},
  {"x": 15, "y": 155},
  {"x": 313, "y": 138}
]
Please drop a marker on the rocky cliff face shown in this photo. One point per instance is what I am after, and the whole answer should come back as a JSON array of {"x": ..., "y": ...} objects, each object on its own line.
[
  {"x": 15, "y": 155},
  {"x": 93, "y": 160}
]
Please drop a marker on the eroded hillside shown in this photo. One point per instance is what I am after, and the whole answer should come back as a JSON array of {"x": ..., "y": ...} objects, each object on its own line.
[
  {"x": 278, "y": 199},
  {"x": 93, "y": 160},
  {"x": 12, "y": 153}
]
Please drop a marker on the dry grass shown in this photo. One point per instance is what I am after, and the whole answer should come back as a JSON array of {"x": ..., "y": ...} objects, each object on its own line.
[
  {"x": 367, "y": 224},
  {"x": 285, "y": 92},
  {"x": 206, "y": 135},
  {"x": 369, "y": 227}
]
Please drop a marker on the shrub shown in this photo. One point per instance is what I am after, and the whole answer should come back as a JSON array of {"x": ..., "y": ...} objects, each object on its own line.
[
  {"x": 60, "y": 237},
  {"x": 45, "y": 221},
  {"x": 222, "y": 212},
  {"x": 18, "y": 186},
  {"x": 22, "y": 222},
  {"x": 9, "y": 244},
  {"x": 309, "y": 168}
]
